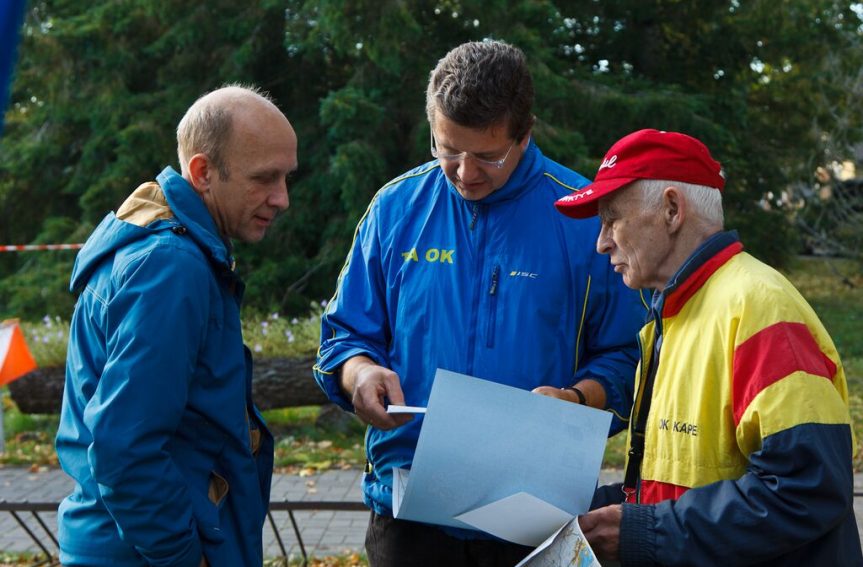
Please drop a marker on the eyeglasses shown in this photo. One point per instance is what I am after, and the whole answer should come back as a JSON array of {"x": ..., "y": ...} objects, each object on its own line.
[{"x": 495, "y": 163}]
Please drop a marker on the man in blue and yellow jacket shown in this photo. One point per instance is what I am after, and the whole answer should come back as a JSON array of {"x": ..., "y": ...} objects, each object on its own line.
[
  {"x": 740, "y": 438},
  {"x": 172, "y": 462},
  {"x": 463, "y": 264}
]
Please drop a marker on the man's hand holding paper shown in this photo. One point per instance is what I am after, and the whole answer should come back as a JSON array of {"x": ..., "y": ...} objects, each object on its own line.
[{"x": 371, "y": 387}]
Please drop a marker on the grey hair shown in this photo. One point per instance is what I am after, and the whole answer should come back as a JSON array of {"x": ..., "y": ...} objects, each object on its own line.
[
  {"x": 206, "y": 127},
  {"x": 705, "y": 201},
  {"x": 481, "y": 83}
]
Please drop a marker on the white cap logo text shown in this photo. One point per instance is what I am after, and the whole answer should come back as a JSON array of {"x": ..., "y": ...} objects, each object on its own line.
[
  {"x": 608, "y": 162},
  {"x": 576, "y": 196}
]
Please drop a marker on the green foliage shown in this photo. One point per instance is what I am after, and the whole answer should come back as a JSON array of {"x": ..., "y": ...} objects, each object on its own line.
[
  {"x": 47, "y": 340},
  {"x": 100, "y": 88},
  {"x": 277, "y": 336},
  {"x": 268, "y": 336}
]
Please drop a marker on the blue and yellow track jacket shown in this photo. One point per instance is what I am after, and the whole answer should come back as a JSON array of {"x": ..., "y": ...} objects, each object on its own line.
[
  {"x": 505, "y": 289},
  {"x": 169, "y": 456}
]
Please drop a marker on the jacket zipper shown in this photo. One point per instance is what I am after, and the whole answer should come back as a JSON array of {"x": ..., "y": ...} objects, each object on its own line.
[
  {"x": 492, "y": 307},
  {"x": 474, "y": 216},
  {"x": 475, "y": 322}
]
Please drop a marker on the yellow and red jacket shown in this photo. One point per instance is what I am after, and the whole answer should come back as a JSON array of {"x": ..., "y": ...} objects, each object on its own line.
[{"x": 747, "y": 442}]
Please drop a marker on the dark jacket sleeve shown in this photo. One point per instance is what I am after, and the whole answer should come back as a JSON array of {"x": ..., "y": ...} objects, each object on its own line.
[
  {"x": 797, "y": 488},
  {"x": 608, "y": 495}
]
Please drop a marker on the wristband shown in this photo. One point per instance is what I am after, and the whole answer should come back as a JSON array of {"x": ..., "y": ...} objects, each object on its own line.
[{"x": 581, "y": 398}]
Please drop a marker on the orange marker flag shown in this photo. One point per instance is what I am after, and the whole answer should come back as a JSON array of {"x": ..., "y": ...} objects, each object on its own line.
[{"x": 15, "y": 357}]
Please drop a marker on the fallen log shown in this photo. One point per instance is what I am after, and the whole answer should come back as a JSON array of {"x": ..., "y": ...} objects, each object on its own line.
[
  {"x": 276, "y": 383},
  {"x": 285, "y": 383}
]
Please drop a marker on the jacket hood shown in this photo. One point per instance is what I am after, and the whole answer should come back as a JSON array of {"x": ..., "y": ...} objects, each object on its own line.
[{"x": 153, "y": 207}]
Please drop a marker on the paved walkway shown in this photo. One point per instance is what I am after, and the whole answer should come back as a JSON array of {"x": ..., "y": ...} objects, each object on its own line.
[{"x": 323, "y": 532}]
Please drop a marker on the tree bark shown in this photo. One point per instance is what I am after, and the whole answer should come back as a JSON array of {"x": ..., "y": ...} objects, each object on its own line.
[{"x": 276, "y": 383}]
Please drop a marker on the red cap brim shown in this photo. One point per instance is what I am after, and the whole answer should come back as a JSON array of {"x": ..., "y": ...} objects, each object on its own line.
[{"x": 584, "y": 203}]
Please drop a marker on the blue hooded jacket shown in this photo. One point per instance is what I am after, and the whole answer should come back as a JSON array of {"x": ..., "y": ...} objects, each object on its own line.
[
  {"x": 504, "y": 288},
  {"x": 170, "y": 457}
]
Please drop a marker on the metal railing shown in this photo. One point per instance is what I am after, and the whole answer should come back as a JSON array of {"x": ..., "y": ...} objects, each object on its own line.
[
  {"x": 16, "y": 509},
  {"x": 19, "y": 509}
]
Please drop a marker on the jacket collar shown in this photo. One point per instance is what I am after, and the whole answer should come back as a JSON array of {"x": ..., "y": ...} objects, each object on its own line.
[
  {"x": 191, "y": 212},
  {"x": 695, "y": 271}
]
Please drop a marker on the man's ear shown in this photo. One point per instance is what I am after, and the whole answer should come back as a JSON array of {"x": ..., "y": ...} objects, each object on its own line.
[
  {"x": 526, "y": 139},
  {"x": 673, "y": 208},
  {"x": 200, "y": 169}
]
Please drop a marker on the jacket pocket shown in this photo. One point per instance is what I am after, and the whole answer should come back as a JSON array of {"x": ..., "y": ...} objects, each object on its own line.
[
  {"x": 208, "y": 516},
  {"x": 218, "y": 488}
]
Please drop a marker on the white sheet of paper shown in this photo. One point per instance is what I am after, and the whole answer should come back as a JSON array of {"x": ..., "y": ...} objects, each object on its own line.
[
  {"x": 400, "y": 482},
  {"x": 485, "y": 441},
  {"x": 564, "y": 548},
  {"x": 404, "y": 409},
  {"x": 520, "y": 518}
]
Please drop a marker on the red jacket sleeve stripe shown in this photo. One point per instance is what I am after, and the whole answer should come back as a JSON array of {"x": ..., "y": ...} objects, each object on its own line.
[{"x": 772, "y": 354}]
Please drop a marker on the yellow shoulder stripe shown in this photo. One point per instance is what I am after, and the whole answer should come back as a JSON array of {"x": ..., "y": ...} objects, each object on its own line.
[{"x": 561, "y": 183}]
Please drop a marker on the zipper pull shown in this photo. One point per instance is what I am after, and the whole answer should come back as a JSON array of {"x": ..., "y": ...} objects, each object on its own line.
[
  {"x": 474, "y": 216},
  {"x": 493, "y": 289}
]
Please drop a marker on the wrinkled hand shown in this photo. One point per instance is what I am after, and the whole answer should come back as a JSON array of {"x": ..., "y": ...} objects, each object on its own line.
[
  {"x": 601, "y": 527},
  {"x": 373, "y": 385},
  {"x": 559, "y": 393}
]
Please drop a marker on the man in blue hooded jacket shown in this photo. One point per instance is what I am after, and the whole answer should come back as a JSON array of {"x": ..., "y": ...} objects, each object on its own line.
[
  {"x": 171, "y": 460},
  {"x": 463, "y": 264}
]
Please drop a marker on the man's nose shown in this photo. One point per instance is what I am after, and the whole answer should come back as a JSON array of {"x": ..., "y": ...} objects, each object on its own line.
[
  {"x": 467, "y": 168},
  {"x": 603, "y": 241},
  {"x": 279, "y": 198}
]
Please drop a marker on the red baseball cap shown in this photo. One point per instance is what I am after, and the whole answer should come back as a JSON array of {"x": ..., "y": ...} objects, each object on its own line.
[{"x": 645, "y": 154}]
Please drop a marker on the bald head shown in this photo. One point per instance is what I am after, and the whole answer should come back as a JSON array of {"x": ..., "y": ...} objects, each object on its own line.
[{"x": 208, "y": 125}]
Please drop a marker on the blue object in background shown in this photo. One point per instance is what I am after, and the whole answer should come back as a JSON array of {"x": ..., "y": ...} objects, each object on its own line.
[{"x": 11, "y": 17}]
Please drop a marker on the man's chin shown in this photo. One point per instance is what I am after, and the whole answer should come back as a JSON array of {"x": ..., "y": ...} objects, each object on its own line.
[
  {"x": 474, "y": 192},
  {"x": 251, "y": 237}
]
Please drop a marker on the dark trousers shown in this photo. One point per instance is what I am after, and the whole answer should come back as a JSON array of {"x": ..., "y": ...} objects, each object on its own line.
[{"x": 399, "y": 543}]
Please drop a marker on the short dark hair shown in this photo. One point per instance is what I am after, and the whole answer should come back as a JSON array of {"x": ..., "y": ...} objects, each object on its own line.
[{"x": 480, "y": 83}]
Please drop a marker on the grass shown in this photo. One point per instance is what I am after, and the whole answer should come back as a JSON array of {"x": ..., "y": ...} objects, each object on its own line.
[
  {"x": 304, "y": 447},
  {"x": 29, "y": 438}
]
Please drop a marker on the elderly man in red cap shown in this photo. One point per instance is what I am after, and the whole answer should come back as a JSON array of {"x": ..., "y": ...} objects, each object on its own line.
[{"x": 740, "y": 442}]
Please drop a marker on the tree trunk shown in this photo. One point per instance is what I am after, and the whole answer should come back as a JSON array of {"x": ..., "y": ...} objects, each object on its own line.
[
  {"x": 276, "y": 383},
  {"x": 285, "y": 383}
]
